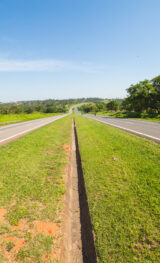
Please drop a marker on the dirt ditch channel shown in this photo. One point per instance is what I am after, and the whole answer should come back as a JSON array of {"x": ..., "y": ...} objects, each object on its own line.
[{"x": 78, "y": 240}]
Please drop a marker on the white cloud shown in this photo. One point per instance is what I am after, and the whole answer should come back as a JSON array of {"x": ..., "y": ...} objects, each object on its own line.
[
  {"x": 30, "y": 65},
  {"x": 8, "y": 65}
]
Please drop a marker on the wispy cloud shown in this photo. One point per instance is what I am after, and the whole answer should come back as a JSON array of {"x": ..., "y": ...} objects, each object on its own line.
[{"x": 8, "y": 65}]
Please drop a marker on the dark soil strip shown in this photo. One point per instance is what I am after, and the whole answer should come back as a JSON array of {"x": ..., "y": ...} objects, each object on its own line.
[{"x": 88, "y": 247}]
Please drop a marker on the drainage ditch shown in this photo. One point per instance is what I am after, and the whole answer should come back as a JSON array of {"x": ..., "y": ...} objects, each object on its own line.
[
  {"x": 88, "y": 247},
  {"x": 78, "y": 244}
]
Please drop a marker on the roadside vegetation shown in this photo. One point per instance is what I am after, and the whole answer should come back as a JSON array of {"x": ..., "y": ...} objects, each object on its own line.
[
  {"x": 121, "y": 173},
  {"x": 103, "y": 110},
  {"x": 31, "y": 106},
  {"x": 132, "y": 115},
  {"x": 30, "y": 110},
  {"x": 24, "y": 117},
  {"x": 42, "y": 106},
  {"x": 31, "y": 191},
  {"x": 143, "y": 101}
]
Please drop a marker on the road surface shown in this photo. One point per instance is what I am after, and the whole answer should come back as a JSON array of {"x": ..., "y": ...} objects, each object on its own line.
[
  {"x": 13, "y": 131},
  {"x": 146, "y": 129}
]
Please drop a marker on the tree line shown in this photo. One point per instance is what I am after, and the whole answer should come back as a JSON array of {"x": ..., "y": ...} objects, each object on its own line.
[
  {"x": 112, "y": 105},
  {"x": 19, "y": 109},
  {"x": 141, "y": 97},
  {"x": 44, "y": 106}
]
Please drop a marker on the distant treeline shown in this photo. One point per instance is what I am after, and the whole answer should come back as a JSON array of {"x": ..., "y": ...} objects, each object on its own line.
[
  {"x": 142, "y": 97},
  {"x": 112, "y": 105},
  {"x": 32, "y": 106},
  {"x": 45, "y": 106}
]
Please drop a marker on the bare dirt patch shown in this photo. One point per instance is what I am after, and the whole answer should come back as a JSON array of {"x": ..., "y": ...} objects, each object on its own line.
[
  {"x": 14, "y": 241},
  {"x": 66, "y": 147},
  {"x": 10, "y": 245},
  {"x": 3, "y": 212},
  {"x": 37, "y": 227},
  {"x": 47, "y": 257},
  {"x": 44, "y": 227},
  {"x": 18, "y": 242}
]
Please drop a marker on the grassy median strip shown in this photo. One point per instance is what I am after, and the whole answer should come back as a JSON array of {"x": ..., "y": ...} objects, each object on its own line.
[
  {"x": 31, "y": 190},
  {"x": 122, "y": 177}
]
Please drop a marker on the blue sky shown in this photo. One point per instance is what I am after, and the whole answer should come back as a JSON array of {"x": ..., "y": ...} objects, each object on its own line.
[{"x": 76, "y": 48}]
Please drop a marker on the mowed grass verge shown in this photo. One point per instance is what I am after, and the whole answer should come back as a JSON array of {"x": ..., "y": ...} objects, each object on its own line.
[
  {"x": 25, "y": 117},
  {"x": 131, "y": 115},
  {"x": 31, "y": 191},
  {"x": 122, "y": 178}
]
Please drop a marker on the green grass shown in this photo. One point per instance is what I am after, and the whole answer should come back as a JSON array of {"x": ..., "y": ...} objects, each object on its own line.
[
  {"x": 31, "y": 183},
  {"x": 124, "y": 114},
  {"x": 24, "y": 117},
  {"x": 38, "y": 246},
  {"x": 122, "y": 177}
]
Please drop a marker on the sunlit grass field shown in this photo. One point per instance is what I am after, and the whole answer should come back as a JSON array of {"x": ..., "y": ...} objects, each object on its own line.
[
  {"x": 122, "y": 177},
  {"x": 133, "y": 115},
  {"x": 31, "y": 190},
  {"x": 24, "y": 117}
]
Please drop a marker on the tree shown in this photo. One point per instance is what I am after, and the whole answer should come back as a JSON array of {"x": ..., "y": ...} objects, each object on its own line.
[
  {"x": 156, "y": 83},
  {"x": 100, "y": 107},
  {"x": 140, "y": 96},
  {"x": 95, "y": 109},
  {"x": 113, "y": 105},
  {"x": 143, "y": 97},
  {"x": 86, "y": 108},
  {"x": 50, "y": 109},
  {"x": 156, "y": 97},
  {"x": 28, "y": 109},
  {"x": 127, "y": 104}
]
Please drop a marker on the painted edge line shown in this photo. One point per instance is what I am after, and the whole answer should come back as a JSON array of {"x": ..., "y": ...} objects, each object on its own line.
[
  {"x": 28, "y": 122},
  {"x": 126, "y": 129},
  {"x": 26, "y": 131}
]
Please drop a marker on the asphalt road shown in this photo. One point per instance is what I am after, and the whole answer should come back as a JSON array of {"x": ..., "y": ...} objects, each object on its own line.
[
  {"x": 146, "y": 129},
  {"x": 13, "y": 131}
]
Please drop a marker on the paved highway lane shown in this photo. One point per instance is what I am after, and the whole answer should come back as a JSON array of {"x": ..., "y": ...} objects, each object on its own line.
[
  {"x": 146, "y": 129},
  {"x": 10, "y": 132}
]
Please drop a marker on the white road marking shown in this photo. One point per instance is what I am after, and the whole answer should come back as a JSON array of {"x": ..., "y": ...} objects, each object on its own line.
[
  {"x": 126, "y": 122},
  {"x": 26, "y": 131},
  {"x": 130, "y": 130}
]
